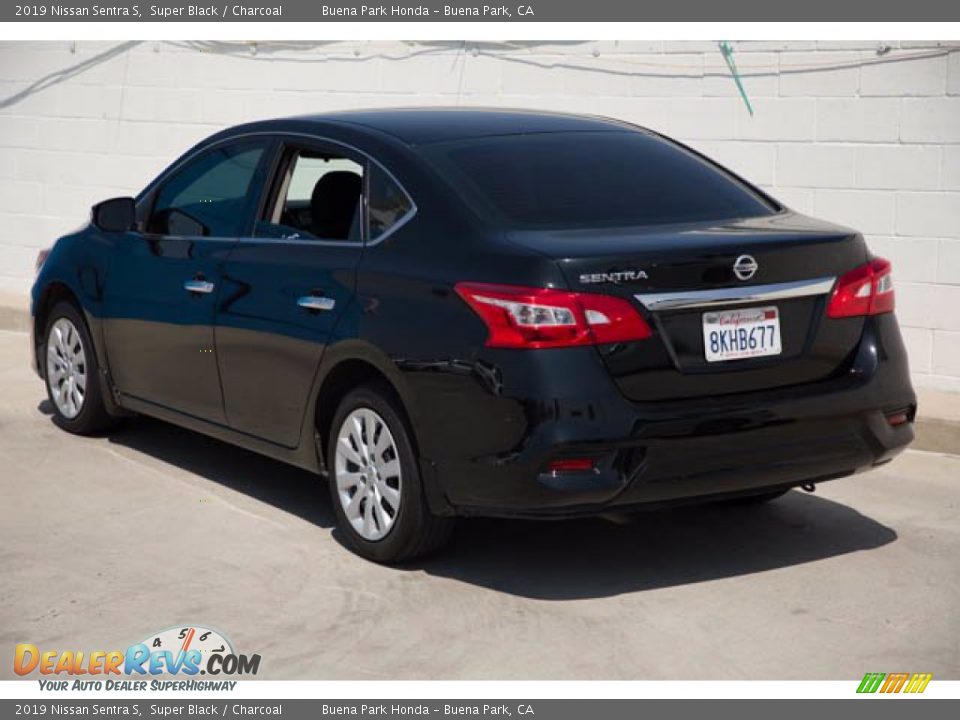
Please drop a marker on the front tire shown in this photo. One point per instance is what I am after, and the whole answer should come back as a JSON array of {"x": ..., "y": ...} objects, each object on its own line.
[
  {"x": 375, "y": 482},
  {"x": 72, "y": 375}
]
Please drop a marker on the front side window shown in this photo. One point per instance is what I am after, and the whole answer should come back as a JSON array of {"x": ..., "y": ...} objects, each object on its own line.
[
  {"x": 388, "y": 203},
  {"x": 319, "y": 196},
  {"x": 211, "y": 196},
  {"x": 593, "y": 179}
]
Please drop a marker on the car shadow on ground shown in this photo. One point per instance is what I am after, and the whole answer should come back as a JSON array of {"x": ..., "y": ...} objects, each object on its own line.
[
  {"x": 560, "y": 559},
  {"x": 594, "y": 557},
  {"x": 288, "y": 488}
]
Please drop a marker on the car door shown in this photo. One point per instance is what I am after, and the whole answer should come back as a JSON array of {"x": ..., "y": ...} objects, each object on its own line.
[
  {"x": 289, "y": 290},
  {"x": 166, "y": 278}
]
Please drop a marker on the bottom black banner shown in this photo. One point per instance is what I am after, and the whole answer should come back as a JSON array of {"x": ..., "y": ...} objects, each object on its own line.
[{"x": 596, "y": 709}]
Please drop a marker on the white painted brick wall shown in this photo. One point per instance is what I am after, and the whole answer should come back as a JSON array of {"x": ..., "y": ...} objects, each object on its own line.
[
  {"x": 859, "y": 120},
  {"x": 946, "y": 360},
  {"x": 930, "y": 120},
  {"x": 953, "y": 75},
  {"x": 799, "y": 76},
  {"x": 863, "y": 133},
  {"x": 904, "y": 79},
  {"x": 816, "y": 166}
]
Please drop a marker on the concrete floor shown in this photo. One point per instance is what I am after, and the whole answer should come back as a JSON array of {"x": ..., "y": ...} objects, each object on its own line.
[{"x": 105, "y": 540}]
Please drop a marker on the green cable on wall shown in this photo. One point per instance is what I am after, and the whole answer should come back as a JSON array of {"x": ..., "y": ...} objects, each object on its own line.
[{"x": 727, "y": 52}]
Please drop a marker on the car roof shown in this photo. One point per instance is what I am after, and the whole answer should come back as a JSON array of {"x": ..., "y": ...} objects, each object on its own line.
[{"x": 419, "y": 126}]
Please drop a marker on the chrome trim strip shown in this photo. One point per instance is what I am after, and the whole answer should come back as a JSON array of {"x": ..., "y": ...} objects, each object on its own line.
[
  {"x": 316, "y": 302},
  {"x": 735, "y": 295},
  {"x": 199, "y": 286}
]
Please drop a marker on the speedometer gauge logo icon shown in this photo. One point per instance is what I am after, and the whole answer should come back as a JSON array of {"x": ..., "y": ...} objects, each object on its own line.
[{"x": 180, "y": 640}]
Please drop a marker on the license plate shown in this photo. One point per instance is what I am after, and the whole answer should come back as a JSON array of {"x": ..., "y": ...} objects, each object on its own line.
[{"x": 739, "y": 334}]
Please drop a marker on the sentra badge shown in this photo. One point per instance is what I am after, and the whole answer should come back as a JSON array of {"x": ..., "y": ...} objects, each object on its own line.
[{"x": 614, "y": 277}]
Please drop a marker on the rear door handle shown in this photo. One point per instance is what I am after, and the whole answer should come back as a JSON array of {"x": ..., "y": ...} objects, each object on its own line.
[
  {"x": 316, "y": 302},
  {"x": 199, "y": 286}
]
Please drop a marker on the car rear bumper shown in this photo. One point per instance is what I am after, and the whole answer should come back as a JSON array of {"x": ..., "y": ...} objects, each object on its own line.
[{"x": 699, "y": 449}]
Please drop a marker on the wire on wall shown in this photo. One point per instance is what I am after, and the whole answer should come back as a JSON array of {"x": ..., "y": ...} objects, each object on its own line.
[{"x": 508, "y": 52}]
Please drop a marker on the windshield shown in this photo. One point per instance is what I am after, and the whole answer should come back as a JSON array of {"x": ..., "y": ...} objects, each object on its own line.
[{"x": 593, "y": 179}]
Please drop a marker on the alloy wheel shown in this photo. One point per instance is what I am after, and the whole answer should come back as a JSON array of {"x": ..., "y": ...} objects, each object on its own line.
[
  {"x": 66, "y": 368},
  {"x": 367, "y": 473}
]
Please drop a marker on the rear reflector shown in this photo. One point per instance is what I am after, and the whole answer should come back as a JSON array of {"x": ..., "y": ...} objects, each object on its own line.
[
  {"x": 525, "y": 317},
  {"x": 571, "y": 465},
  {"x": 865, "y": 290},
  {"x": 899, "y": 417}
]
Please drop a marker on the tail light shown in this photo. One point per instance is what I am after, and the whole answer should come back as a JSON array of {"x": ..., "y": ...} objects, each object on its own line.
[
  {"x": 865, "y": 290},
  {"x": 524, "y": 317},
  {"x": 41, "y": 259}
]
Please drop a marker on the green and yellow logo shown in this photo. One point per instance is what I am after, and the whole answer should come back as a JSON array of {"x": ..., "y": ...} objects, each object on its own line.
[{"x": 895, "y": 682}]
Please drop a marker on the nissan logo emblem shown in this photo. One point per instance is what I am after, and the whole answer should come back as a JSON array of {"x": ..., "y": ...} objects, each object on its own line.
[{"x": 745, "y": 267}]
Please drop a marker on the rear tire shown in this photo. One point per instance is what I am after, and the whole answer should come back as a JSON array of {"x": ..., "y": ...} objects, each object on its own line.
[
  {"x": 375, "y": 482},
  {"x": 72, "y": 374}
]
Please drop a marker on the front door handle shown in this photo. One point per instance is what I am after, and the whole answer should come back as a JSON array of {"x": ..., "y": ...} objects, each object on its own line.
[
  {"x": 199, "y": 286},
  {"x": 316, "y": 302}
]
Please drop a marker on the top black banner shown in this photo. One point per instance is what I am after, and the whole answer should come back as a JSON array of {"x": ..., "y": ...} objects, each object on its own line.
[{"x": 509, "y": 12}]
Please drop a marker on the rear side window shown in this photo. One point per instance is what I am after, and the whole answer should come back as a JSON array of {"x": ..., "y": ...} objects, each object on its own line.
[
  {"x": 319, "y": 196},
  {"x": 210, "y": 196},
  {"x": 388, "y": 203},
  {"x": 593, "y": 180}
]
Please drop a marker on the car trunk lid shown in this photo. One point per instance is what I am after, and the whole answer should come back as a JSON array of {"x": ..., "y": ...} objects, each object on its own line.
[{"x": 676, "y": 275}]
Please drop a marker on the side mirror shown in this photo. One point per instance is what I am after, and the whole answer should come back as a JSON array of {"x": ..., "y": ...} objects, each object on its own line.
[{"x": 115, "y": 215}]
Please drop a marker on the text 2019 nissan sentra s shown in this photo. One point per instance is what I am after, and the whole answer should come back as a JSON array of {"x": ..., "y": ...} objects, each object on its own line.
[{"x": 470, "y": 312}]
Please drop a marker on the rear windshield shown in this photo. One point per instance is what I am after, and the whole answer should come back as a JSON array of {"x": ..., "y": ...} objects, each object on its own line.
[{"x": 593, "y": 180}]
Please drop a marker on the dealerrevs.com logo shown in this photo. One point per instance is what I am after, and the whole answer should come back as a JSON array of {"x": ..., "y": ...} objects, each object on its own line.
[{"x": 178, "y": 651}]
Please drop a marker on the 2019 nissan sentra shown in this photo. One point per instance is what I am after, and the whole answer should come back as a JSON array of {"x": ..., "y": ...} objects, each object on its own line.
[{"x": 479, "y": 312}]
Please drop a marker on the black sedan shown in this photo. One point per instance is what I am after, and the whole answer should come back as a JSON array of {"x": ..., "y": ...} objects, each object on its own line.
[{"x": 473, "y": 312}]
